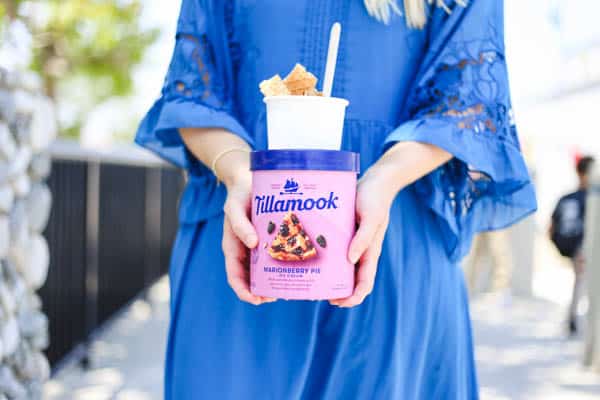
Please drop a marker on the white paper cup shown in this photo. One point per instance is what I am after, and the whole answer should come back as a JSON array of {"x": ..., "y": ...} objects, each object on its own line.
[{"x": 305, "y": 122}]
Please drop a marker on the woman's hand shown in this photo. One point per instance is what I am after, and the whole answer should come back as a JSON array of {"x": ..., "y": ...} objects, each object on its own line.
[
  {"x": 372, "y": 214},
  {"x": 238, "y": 232},
  {"x": 233, "y": 169},
  {"x": 401, "y": 165}
]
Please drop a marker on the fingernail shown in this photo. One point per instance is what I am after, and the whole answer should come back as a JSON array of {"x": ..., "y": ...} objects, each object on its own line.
[{"x": 251, "y": 240}]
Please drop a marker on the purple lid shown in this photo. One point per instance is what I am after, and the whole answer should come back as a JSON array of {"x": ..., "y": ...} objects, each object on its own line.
[{"x": 318, "y": 160}]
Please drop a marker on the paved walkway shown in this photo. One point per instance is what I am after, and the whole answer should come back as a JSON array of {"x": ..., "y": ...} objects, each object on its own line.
[
  {"x": 126, "y": 360},
  {"x": 521, "y": 354}
]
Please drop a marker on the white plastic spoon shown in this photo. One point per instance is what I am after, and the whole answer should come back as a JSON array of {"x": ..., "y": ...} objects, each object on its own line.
[{"x": 332, "y": 53}]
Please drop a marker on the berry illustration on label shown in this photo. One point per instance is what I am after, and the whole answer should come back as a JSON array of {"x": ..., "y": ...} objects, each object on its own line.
[
  {"x": 321, "y": 240},
  {"x": 291, "y": 242}
]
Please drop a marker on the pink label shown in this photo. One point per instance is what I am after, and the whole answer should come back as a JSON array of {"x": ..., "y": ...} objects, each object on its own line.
[{"x": 305, "y": 221}]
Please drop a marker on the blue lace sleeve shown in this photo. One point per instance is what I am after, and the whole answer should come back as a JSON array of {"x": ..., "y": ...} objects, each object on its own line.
[
  {"x": 197, "y": 92},
  {"x": 461, "y": 103}
]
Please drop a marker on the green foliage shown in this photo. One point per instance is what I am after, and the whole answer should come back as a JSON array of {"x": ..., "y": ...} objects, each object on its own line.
[{"x": 90, "y": 46}]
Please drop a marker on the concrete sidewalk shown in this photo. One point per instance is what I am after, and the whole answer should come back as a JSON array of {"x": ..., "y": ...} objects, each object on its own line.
[
  {"x": 522, "y": 352},
  {"x": 127, "y": 359},
  {"x": 520, "y": 346}
]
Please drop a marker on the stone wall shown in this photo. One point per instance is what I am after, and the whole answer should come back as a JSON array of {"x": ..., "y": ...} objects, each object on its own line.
[{"x": 27, "y": 126}]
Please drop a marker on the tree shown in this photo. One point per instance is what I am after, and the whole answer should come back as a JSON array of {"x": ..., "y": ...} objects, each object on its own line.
[{"x": 84, "y": 50}]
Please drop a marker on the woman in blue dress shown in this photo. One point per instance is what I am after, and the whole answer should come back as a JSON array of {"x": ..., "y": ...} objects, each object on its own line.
[{"x": 429, "y": 114}]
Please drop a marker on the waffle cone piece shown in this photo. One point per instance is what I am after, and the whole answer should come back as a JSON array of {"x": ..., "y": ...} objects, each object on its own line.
[
  {"x": 300, "y": 81},
  {"x": 274, "y": 87}
]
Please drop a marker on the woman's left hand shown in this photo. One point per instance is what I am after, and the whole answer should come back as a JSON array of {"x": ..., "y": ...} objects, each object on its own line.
[
  {"x": 373, "y": 201},
  {"x": 400, "y": 165}
]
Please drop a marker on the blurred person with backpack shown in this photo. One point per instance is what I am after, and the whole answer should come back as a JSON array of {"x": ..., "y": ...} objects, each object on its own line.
[{"x": 566, "y": 232}]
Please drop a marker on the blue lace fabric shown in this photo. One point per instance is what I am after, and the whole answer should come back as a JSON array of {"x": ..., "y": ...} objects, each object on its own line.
[
  {"x": 197, "y": 93},
  {"x": 461, "y": 103}
]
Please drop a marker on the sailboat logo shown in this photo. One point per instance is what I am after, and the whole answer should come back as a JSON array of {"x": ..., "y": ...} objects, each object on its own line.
[{"x": 290, "y": 187}]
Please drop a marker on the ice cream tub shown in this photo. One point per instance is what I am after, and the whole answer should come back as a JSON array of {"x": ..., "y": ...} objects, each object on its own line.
[{"x": 303, "y": 209}]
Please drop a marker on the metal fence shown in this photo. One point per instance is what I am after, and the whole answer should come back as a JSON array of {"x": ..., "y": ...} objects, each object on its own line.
[{"x": 110, "y": 234}]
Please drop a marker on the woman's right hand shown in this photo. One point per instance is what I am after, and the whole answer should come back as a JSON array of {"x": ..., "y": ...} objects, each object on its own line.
[
  {"x": 239, "y": 234},
  {"x": 212, "y": 146}
]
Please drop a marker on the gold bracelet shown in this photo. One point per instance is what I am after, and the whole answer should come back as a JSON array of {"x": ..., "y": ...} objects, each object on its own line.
[{"x": 213, "y": 165}]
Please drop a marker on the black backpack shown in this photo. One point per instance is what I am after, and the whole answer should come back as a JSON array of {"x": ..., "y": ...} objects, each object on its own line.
[{"x": 567, "y": 221}]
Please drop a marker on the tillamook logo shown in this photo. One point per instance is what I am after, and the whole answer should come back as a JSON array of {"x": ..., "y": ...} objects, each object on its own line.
[
  {"x": 271, "y": 204},
  {"x": 290, "y": 187}
]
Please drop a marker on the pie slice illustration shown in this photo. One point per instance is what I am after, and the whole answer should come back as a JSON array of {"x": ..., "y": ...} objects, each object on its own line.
[{"x": 292, "y": 242}]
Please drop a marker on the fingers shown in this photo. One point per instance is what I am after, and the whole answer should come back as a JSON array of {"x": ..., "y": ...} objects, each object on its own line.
[
  {"x": 363, "y": 238},
  {"x": 366, "y": 273},
  {"x": 240, "y": 288},
  {"x": 237, "y": 273},
  {"x": 365, "y": 280},
  {"x": 240, "y": 224}
]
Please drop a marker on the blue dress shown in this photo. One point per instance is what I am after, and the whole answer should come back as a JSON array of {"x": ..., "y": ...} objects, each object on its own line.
[{"x": 445, "y": 84}]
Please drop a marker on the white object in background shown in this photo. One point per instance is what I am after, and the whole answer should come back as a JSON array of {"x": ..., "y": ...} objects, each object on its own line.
[
  {"x": 33, "y": 261},
  {"x": 37, "y": 204},
  {"x": 43, "y": 129},
  {"x": 10, "y": 335},
  {"x": 21, "y": 185},
  {"x": 39, "y": 167},
  {"x": 305, "y": 122},
  {"x": 7, "y": 198},
  {"x": 18, "y": 225},
  {"x": 523, "y": 244},
  {"x": 19, "y": 163},
  {"x": 7, "y": 300},
  {"x": 332, "y": 55},
  {"x": 42, "y": 367},
  {"x": 4, "y": 235},
  {"x": 591, "y": 253},
  {"x": 25, "y": 102},
  {"x": 8, "y": 147}
]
